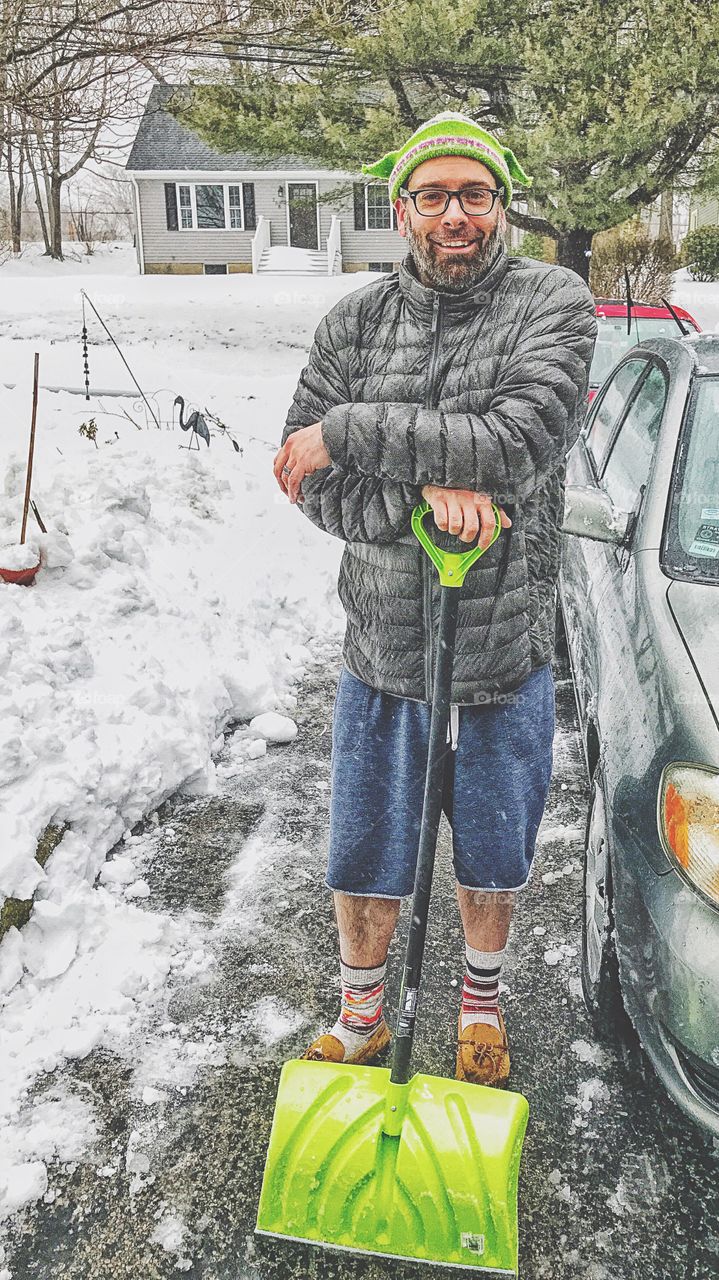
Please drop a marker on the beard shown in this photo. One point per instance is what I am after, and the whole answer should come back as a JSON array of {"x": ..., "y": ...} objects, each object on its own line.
[{"x": 438, "y": 271}]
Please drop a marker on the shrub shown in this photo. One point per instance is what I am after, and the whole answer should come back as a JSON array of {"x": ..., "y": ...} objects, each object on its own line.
[
  {"x": 649, "y": 262},
  {"x": 700, "y": 253},
  {"x": 532, "y": 246}
]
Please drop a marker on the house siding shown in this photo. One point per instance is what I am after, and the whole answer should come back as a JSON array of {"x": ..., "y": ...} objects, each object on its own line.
[
  {"x": 167, "y": 250},
  {"x": 358, "y": 247},
  {"x": 176, "y": 247},
  {"x": 704, "y": 213}
]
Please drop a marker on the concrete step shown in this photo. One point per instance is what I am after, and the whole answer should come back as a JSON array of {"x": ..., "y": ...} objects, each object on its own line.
[
  {"x": 288, "y": 260},
  {"x": 265, "y": 271}
]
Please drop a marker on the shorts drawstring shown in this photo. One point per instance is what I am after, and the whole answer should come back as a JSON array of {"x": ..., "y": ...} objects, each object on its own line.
[{"x": 453, "y": 726}]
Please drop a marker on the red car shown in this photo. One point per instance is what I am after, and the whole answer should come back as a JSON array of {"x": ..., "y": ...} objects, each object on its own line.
[{"x": 613, "y": 339}]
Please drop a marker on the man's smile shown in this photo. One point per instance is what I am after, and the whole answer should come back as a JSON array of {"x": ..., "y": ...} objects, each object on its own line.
[{"x": 454, "y": 246}]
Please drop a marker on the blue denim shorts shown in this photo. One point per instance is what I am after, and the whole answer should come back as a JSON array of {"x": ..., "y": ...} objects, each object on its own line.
[{"x": 496, "y": 782}]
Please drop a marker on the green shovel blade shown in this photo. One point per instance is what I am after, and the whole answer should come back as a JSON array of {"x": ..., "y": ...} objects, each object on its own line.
[{"x": 444, "y": 1190}]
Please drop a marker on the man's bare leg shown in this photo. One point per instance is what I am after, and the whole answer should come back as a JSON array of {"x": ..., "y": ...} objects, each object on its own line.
[
  {"x": 485, "y": 917},
  {"x": 366, "y": 928}
]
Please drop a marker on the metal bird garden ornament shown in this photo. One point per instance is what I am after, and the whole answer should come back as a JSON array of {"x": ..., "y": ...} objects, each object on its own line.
[{"x": 195, "y": 423}]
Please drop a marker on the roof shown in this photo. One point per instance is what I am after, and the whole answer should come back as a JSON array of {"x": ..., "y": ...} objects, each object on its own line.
[
  {"x": 162, "y": 143},
  {"x": 706, "y": 349},
  {"x": 616, "y": 307},
  {"x": 702, "y": 347}
]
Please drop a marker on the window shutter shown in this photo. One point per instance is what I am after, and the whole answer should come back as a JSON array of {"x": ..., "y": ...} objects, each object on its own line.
[
  {"x": 248, "y": 205},
  {"x": 360, "y": 221},
  {"x": 171, "y": 206}
]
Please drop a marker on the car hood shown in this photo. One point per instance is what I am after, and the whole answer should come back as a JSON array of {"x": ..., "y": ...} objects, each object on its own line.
[{"x": 695, "y": 606}]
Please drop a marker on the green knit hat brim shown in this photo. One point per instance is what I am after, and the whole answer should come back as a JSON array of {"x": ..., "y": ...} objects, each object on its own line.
[{"x": 449, "y": 134}]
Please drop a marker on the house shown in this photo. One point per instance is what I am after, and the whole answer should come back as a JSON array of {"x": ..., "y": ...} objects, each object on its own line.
[
  {"x": 202, "y": 211},
  {"x": 703, "y": 212}
]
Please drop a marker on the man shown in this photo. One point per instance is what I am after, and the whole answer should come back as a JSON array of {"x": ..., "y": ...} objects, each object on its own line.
[{"x": 461, "y": 379}]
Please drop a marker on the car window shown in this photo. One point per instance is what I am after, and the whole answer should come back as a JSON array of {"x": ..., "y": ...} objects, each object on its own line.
[
  {"x": 610, "y": 408},
  {"x": 629, "y": 462},
  {"x": 691, "y": 548},
  {"x": 613, "y": 341}
]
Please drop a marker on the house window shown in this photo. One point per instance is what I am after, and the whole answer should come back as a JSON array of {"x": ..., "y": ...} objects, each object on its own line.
[
  {"x": 215, "y": 268},
  {"x": 185, "y": 203},
  {"x": 234, "y": 200},
  {"x": 214, "y": 206},
  {"x": 379, "y": 213},
  {"x": 210, "y": 202},
  {"x": 380, "y": 266}
]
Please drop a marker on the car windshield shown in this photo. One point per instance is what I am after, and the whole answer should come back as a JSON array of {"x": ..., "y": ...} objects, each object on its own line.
[
  {"x": 613, "y": 340},
  {"x": 691, "y": 547}
]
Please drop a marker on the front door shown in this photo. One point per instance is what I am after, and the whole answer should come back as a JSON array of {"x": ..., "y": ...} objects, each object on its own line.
[{"x": 302, "y": 201}]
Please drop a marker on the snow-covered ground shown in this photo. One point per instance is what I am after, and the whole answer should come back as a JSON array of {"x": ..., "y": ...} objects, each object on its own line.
[
  {"x": 180, "y": 593},
  {"x": 700, "y": 300}
]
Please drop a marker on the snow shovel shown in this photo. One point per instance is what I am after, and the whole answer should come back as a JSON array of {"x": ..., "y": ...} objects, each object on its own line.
[{"x": 368, "y": 1159}]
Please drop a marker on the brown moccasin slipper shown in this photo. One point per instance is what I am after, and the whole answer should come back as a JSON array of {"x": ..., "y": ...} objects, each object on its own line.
[
  {"x": 328, "y": 1048},
  {"x": 483, "y": 1053}
]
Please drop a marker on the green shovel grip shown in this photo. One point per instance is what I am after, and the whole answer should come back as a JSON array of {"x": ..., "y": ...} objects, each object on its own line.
[{"x": 452, "y": 565}]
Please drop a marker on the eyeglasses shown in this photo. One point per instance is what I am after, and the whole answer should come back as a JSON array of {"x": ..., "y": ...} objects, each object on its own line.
[{"x": 430, "y": 202}]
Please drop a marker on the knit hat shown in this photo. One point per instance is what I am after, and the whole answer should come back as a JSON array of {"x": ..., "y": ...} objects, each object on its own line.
[{"x": 449, "y": 134}]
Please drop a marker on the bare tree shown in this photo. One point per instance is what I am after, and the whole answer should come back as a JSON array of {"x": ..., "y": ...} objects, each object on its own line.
[
  {"x": 69, "y": 69},
  {"x": 13, "y": 157},
  {"x": 38, "y": 39}
]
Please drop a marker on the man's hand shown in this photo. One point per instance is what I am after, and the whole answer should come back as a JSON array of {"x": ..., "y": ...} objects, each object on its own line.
[
  {"x": 462, "y": 512},
  {"x": 303, "y": 452}
]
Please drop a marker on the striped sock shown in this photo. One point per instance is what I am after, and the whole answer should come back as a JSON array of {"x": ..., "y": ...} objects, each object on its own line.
[
  {"x": 480, "y": 993},
  {"x": 361, "y": 1014}
]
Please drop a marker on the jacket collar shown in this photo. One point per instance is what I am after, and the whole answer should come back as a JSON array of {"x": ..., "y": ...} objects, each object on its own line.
[{"x": 420, "y": 299}]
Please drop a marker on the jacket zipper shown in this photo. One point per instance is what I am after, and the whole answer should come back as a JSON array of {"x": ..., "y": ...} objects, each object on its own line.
[
  {"x": 436, "y": 308},
  {"x": 426, "y": 566}
]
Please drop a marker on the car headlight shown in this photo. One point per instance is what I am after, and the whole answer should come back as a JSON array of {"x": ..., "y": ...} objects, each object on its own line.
[{"x": 689, "y": 824}]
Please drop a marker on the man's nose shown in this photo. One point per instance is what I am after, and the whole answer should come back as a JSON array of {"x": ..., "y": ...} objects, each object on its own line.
[{"x": 454, "y": 211}]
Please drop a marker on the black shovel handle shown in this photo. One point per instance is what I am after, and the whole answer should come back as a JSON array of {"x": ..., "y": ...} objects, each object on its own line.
[
  {"x": 431, "y": 815},
  {"x": 452, "y": 569}
]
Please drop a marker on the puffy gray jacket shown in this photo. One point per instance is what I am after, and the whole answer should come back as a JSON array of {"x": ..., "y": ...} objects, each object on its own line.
[{"x": 481, "y": 390}]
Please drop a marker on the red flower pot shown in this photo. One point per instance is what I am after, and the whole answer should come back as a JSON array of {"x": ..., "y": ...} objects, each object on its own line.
[{"x": 24, "y": 577}]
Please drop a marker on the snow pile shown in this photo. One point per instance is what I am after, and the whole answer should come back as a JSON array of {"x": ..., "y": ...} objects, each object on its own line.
[
  {"x": 93, "y": 965},
  {"x": 179, "y": 592},
  {"x": 18, "y": 555},
  {"x": 178, "y": 612}
]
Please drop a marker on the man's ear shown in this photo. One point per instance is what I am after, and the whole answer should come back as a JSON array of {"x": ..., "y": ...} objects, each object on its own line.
[{"x": 400, "y": 210}]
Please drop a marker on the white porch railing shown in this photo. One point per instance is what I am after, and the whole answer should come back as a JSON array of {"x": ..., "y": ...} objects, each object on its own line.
[
  {"x": 260, "y": 242},
  {"x": 334, "y": 247}
]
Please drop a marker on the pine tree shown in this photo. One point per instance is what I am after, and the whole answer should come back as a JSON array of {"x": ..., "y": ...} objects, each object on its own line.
[{"x": 605, "y": 106}]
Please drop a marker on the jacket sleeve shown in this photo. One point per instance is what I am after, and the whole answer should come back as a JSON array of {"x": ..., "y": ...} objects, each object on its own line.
[
  {"x": 338, "y": 499},
  {"x": 531, "y": 421}
]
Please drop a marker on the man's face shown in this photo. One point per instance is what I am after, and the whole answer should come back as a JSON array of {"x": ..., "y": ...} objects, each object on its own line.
[{"x": 451, "y": 250}]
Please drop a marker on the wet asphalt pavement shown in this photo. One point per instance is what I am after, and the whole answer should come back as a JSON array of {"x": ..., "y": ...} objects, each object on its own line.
[{"x": 615, "y": 1183}]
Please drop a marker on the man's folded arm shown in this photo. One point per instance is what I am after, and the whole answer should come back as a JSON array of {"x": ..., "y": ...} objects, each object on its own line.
[
  {"x": 531, "y": 421},
  {"x": 339, "y": 500}
]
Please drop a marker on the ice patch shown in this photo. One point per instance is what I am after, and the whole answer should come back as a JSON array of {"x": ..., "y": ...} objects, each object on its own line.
[
  {"x": 554, "y": 955},
  {"x": 589, "y": 1094},
  {"x": 589, "y": 1052},
  {"x": 272, "y": 1020},
  {"x": 170, "y": 1234}
]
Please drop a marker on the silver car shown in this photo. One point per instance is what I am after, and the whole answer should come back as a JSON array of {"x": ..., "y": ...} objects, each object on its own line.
[{"x": 639, "y": 594}]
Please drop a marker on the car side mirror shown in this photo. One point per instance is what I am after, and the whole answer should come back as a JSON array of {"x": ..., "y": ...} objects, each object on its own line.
[{"x": 589, "y": 513}]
